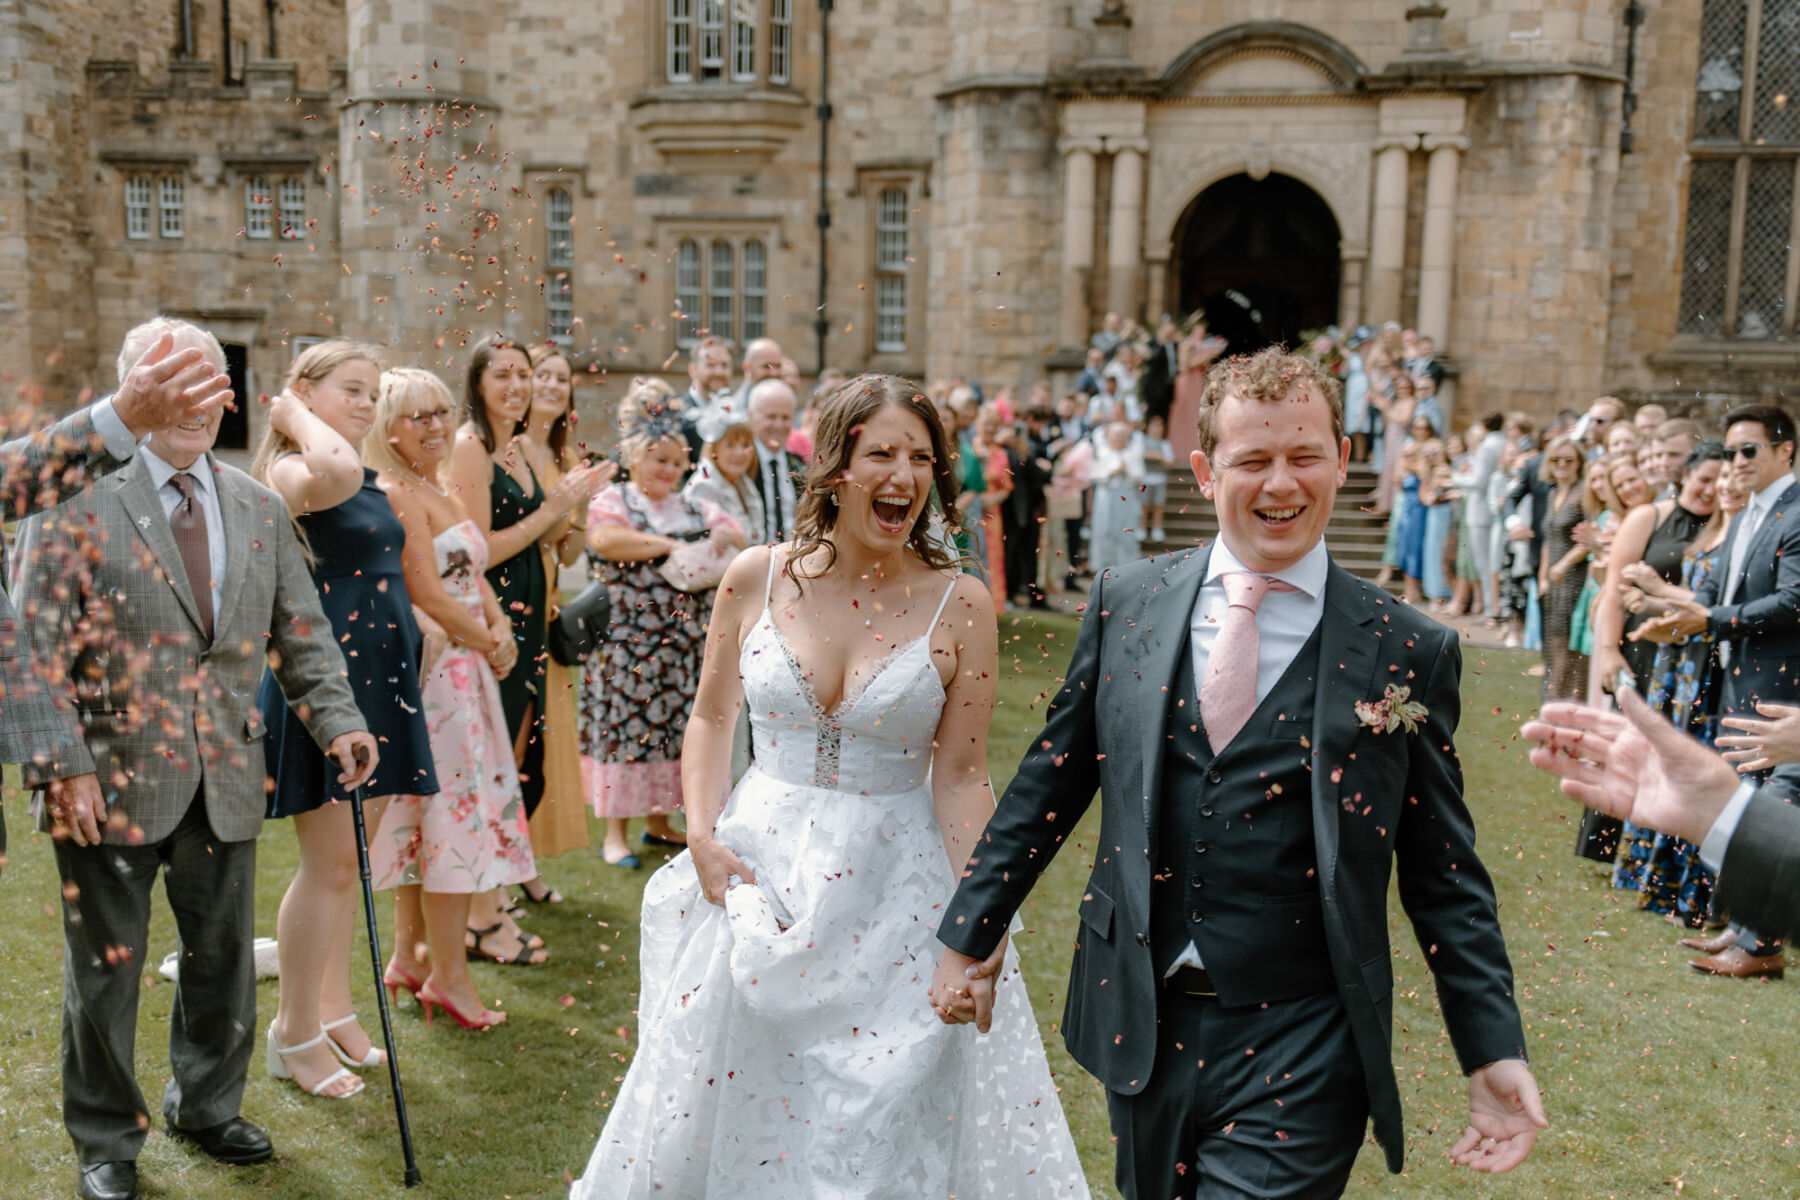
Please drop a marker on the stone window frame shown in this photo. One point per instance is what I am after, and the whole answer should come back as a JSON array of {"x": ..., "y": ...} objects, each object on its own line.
[
  {"x": 874, "y": 181},
  {"x": 259, "y": 207},
  {"x": 722, "y": 267},
  {"x": 1711, "y": 306},
  {"x": 710, "y": 43},
  {"x": 137, "y": 207},
  {"x": 559, "y": 261},
  {"x": 171, "y": 208},
  {"x": 893, "y": 258},
  {"x": 290, "y": 206}
]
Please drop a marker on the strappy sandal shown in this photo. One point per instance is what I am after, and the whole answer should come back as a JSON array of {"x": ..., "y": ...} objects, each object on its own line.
[
  {"x": 521, "y": 959},
  {"x": 376, "y": 1057},
  {"x": 550, "y": 896},
  {"x": 276, "y": 1064}
]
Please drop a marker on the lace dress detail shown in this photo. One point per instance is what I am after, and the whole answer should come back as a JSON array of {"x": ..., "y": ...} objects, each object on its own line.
[{"x": 785, "y": 1051}]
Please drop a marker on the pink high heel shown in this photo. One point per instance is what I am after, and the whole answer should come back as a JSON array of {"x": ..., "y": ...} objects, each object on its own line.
[
  {"x": 487, "y": 1020},
  {"x": 403, "y": 980}
]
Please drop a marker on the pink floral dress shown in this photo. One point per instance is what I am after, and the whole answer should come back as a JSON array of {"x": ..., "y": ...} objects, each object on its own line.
[{"x": 471, "y": 836}]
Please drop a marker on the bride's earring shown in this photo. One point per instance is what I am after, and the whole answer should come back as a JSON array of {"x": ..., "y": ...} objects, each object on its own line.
[{"x": 832, "y": 498}]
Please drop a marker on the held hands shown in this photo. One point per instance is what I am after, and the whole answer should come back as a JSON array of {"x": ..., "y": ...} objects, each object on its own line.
[
  {"x": 504, "y": 655},
  {"x": 76, "y": 808},
  {"x": 168, "y": 386},
  {"x": 1763, "y": 744},
  {"x": 715, "y": 865},
  {"x": 962, "y": 988},
  {"x": 1505, "y": 1114},
  {"x": 357, "y": 755}
]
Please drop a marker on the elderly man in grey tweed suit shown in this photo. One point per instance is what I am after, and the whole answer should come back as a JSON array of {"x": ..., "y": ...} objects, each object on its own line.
[
  {"x": 152, "y": 602},
  {"x": 47, "y": 467}
]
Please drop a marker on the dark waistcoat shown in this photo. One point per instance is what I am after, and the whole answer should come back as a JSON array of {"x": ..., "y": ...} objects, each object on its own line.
[{"x": 1236, "y": 867}]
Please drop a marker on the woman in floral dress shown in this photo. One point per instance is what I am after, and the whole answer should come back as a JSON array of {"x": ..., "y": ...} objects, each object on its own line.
[
  {"x": 639, "y": 685},
  {"x": 471, "y": 837}
]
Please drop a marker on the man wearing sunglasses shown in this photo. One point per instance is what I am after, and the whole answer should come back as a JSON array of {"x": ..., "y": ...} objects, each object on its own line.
[{"x": 1752, "y": 609}]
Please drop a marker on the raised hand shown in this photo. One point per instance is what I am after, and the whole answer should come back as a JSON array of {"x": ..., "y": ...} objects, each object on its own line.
[
  {"x": 168, "y": 386},
  {"x": 1632, "y": 764},
  {"x": 1762, "y": 744},
  {"x": 1505, "y": 1114}
]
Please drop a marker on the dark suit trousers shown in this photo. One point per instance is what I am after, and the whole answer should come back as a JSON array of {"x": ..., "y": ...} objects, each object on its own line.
[
  {"x": 1263, "y": 1102},
  {"x": 212, "y": 1025}
]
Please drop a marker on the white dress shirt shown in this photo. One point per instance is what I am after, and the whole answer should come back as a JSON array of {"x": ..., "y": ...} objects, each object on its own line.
[
  {"x": 774, "y": 462},
  {"x": 1724, "y": 827},
  {"x": 1284, "y": 622},
  {"x": 206, "y": 489},
  {"x": 114, "y": 434}
]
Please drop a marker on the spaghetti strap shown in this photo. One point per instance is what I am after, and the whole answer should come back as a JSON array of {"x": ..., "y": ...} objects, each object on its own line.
[
  {"x": 769, "y": 585},
  {"x": 948, "y": 592}
]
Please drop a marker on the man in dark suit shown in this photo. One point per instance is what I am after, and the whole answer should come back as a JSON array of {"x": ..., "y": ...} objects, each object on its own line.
[
  {"x": 1752, "y": 608},
  {"x": 779, "y": 471},
  {"x": 154, "y": 602},
  {"x": 709, "y": 390},
  {"x": 1272, "y": 736},
  {"x": 43, "y": 469},
  {"x": 1635, "y": 766},
  {"x": 1161, "y": 367}
]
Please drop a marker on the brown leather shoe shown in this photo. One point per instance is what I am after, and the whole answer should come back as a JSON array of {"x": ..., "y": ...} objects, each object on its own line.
[
  {"x": 1711, "y": 945},
  {"x": 1739, "y": 963}
]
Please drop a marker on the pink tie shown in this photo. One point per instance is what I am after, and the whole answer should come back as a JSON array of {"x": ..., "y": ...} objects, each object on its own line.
[{"x": 1228, "y": 693}]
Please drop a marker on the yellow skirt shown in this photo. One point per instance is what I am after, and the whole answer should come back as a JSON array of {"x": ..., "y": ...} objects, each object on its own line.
[{"x": 560, "y": 823}]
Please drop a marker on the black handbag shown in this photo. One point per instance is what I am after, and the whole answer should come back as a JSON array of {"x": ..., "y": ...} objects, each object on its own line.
[{"x": 579, "y": 625}]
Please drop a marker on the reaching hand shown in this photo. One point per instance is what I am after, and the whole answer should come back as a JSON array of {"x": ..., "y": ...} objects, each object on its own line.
[
  {"x": 76, "y": 808},
  {"x": 576, "y": 488},
  {"x": 715, "y": 865},
  {"x": 1765, "y": 744},
  {"x": 962, "y": 988},
  {"x": 169, "y": 386},
  {"x": 1505, "y": 1114},
  {"x": 357, "y": 754},
  {"x": 1632, "y": 764}
]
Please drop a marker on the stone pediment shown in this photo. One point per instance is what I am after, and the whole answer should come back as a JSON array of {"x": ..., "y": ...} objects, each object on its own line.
[{"x": 1264, "y": 57}]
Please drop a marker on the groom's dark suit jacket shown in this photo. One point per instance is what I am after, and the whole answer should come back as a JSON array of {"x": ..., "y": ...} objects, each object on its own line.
[{"x": 1363, "y": 799}]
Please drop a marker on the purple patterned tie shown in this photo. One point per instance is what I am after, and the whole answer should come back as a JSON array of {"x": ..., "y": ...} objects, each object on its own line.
[{"x": 188, "y": 523}]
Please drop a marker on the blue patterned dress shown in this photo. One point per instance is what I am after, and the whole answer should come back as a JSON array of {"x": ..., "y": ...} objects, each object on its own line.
[{"x": 1684, "y": 686}]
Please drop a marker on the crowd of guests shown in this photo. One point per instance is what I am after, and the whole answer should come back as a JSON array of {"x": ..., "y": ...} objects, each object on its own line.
[{"x": 1636, "y": 551}]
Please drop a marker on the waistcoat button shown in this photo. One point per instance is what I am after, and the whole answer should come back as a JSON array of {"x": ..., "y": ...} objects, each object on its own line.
[
  {"x": 1200, "y": 847},
  {"x": 1197, "y": 917},
  {"x": 1214, "y": 777}
]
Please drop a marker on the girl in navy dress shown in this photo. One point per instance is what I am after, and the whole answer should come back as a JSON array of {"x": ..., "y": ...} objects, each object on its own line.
[{"x": 354, "y": 540}]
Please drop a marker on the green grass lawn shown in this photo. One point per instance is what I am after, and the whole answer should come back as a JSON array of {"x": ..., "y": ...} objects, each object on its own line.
[{"x": 1658, "y": 1082}]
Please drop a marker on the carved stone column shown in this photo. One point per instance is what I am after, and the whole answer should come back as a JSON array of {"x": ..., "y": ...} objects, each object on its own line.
[
  {"x": 1437, "y": 252},
  {"x": 1125, "y": 237},
  {"x": 1078, "y": 240},
  {"x": 1387, "y": 232}
]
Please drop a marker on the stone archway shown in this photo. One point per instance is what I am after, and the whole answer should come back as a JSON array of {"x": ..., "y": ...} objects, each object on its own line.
[{"x": 1261, "y": 257}]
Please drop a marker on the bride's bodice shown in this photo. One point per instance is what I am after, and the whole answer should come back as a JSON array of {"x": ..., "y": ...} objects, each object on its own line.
[{"x": 878, "y": 739}]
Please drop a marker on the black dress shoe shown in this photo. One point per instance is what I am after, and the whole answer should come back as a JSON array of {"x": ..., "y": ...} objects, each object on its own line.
[
  {"x": 107, "y": 1181},
  {"x": 236, "y": 1141}
]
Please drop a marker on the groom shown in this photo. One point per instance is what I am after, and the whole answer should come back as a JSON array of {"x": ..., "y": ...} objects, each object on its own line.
[{"x": 1272, "y": 736}]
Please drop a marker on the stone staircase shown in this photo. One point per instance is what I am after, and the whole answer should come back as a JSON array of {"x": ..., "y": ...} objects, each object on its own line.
[{"x": 1355, "y": 535}]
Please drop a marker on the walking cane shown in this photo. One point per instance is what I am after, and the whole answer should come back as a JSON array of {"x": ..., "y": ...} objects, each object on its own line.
[{"x": 411, "y": 1178}]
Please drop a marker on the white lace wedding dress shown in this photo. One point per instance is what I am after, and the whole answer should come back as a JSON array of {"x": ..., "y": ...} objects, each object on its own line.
[{"x": 804, "y": 1062}]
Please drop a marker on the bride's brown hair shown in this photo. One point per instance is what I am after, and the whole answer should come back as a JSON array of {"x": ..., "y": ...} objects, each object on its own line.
[{"x": 842, "y": 416}]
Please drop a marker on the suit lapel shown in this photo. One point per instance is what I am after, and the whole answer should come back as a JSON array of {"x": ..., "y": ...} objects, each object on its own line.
[
  {"x": 144, "y": 512},
  {"x": 235, "y": 512},
  {"x": 1347, "y": 661},
  {"x": 1162, "y": 640}
]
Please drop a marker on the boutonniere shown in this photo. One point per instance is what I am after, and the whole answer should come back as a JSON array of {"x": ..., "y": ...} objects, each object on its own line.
[{"x": 1393, "y": 711}]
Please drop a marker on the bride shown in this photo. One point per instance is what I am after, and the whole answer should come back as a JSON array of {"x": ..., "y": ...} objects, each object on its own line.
[{"x": 783, "y": 1050}]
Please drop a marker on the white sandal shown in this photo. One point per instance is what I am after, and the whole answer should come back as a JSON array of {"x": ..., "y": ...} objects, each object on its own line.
[
  {"x": 376, "y": 1057},
  {"x": 278, "y": 1068}
]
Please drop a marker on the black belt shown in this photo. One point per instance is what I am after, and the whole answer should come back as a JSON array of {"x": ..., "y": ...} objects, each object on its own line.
[{"x": 1191, "y": 981}]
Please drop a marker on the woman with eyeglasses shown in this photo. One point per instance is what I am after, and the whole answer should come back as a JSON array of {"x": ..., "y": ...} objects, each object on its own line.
[
  {"x": 1562, "y": 572},
  {"x": 1656, "y": 534},
  {"x": 1683, "y": 684},
  {"x": 439, "y": 851}
]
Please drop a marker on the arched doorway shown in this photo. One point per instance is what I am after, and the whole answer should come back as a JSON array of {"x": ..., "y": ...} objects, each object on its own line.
[{"x": 1260, "y": 256}]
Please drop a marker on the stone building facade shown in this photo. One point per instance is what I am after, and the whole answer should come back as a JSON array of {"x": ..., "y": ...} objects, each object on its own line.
[{"x": 1572, "y": 196}]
